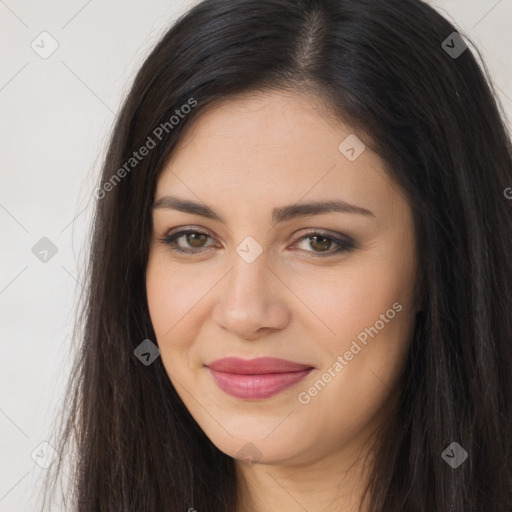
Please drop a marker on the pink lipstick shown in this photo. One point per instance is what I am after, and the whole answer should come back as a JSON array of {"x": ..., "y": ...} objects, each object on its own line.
[{"x": 256, "y": 379}]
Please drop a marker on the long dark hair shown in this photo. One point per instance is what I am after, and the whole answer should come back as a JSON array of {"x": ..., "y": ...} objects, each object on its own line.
[{"x": 395, "y": 71}]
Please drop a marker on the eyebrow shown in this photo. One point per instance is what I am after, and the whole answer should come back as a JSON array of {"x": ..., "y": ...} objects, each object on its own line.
[{"x": 280, "y": 214}]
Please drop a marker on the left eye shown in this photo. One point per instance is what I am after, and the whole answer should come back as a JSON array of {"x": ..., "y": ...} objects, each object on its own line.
[{"x": 321, "y": 242}]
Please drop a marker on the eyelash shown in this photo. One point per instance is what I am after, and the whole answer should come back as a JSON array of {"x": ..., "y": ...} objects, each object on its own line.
[{"x": 345, "y": 244}]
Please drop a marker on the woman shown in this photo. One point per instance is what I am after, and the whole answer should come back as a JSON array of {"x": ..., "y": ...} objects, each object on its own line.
[{"x": 300, "y": 282}]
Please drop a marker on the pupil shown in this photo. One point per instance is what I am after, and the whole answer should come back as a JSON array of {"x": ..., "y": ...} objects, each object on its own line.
[
  {"x": 324, "y": 245},
  {"x": 192, "y": 236}
]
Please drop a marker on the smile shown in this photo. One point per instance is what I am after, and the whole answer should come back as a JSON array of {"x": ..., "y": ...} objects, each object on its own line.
[{"x": 258, "y": 378}]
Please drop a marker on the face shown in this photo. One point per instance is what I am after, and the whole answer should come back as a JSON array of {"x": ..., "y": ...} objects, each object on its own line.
[{"x": 261, "y": 275}]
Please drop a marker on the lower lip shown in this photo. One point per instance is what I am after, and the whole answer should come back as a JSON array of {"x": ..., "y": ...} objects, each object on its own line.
[{"x": 257, "y": 387}]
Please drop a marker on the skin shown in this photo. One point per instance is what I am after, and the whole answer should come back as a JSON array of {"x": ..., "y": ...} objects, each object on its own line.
[{"x": 243, "y": 158}]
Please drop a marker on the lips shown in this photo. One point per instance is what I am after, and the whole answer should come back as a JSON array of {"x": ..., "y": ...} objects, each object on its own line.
[{"x": 256, "y": 379}]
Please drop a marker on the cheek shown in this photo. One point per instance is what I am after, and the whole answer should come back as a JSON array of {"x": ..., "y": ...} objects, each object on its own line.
[
  {"x": 345, "y": 301},
  {"x": 352, "y": 295},
  {"x": 367, "y": 317},
  {"x": 171, "y": 296},
  {"x": 178, "y": 301},
  {"x": 372, "y": 349},
  {"x": 161, "y": 296}
]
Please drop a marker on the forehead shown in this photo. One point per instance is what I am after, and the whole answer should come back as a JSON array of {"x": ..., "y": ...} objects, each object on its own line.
[{"x": 272, "y": 147}]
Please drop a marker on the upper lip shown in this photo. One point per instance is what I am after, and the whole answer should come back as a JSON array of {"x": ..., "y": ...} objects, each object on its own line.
[{"x": 258, "y": 366}]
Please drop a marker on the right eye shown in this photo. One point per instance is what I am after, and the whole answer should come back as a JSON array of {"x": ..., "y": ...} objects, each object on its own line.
[{"x": 192, "y": 237}]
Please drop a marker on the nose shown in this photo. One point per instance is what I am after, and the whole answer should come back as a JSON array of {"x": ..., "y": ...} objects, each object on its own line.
[{"x": 252, "y": 300}]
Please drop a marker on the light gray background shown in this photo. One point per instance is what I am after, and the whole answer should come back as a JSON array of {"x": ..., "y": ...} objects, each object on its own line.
[{"x": 56, "y": 114}]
